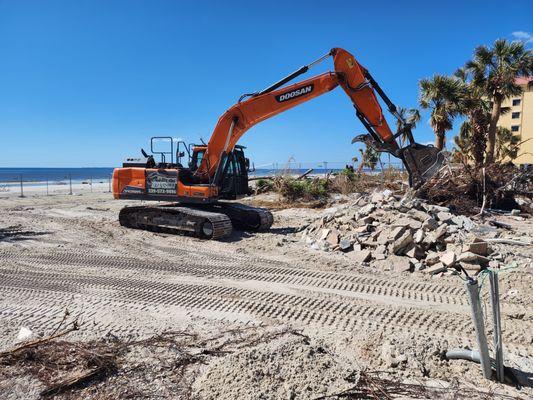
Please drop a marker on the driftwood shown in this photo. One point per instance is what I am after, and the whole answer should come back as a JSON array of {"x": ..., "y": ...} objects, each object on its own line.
[
  {"x": 499, "y": 224},
  {"x": 305, "y": 174},
  {"x": 507, "y": 241},
  {"x": 75, "y": 379}
]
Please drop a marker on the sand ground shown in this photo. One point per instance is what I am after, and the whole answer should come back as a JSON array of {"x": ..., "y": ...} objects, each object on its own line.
[{"x": 64, "y": 251}]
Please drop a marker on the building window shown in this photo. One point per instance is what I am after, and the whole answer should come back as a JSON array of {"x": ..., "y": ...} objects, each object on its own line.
[
  {"x": 516, "y": 102},
  {"x": 515, "y": 115},
  {"x": 515, "y": 128}
]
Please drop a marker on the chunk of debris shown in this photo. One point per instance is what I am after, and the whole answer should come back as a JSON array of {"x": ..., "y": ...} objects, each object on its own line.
[
  {"x": 444, "y": 216},
  {"x": 333, "y": 237},
  {"x": 24, "y": 334},
  {"x": 418, "y": 237},
  {"x": 360, "y": 256},
  {"x": 401, "y": 243},
  {"x": 448, "y": 258},
  {"x": 416, "y": 252},
  {"x": 478, "y": 246},
  {"x": 345, "y": 245},
  {"x": 399, "y": 235},
  {"x": 324, "y": 234},
  {"x": 435, "y": 269},
  {"x": 468, "y": 257}
]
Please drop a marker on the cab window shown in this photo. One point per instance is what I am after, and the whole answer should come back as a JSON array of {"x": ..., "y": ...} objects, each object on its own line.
[{"x": 197, "y": 159}]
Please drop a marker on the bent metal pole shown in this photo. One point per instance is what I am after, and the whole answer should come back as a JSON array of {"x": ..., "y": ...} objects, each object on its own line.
[{"x": 472, "y": 288}]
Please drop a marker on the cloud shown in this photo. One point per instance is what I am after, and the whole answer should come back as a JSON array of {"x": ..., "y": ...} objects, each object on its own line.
[{"x": 523, "y": 36}]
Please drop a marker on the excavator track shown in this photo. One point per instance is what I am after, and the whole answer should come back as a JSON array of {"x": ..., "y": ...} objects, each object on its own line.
[
  {"x": 213, "y": 222},
  {"x": 177, "y": 220},
  {"x": 247, "y": 218}
]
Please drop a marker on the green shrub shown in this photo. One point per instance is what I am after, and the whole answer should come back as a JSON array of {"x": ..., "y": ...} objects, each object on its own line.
[
  {"x": 307, "y": 189},
  {"x": 264, "y": 185},
  {"x": 348, "y": 173}
]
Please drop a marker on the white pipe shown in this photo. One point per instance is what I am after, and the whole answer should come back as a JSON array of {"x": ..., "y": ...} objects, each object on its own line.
[{"x": 463, "y": 354}]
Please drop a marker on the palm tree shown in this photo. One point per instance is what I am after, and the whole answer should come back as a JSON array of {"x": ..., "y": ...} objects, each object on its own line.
[
  {"x": 443, "y": 95},
  {"x": 475, "y": 106},
  {"x": 411, "y": 116},
  {"x": 463, "y": 144},
  {"x": 369, "y": 158},
  {"x": 495, "y": 70},
  {"x": 507, "y": 145}
]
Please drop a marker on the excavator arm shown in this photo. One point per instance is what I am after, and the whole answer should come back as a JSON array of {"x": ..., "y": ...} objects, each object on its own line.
[{"x": 421, "y": 161}]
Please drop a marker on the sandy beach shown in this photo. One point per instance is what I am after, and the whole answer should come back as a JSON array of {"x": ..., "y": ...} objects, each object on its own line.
[{"x": 62, "y": 252}]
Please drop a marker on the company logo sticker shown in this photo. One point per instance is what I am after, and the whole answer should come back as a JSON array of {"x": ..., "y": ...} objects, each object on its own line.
[{"x": 293, "y": 94}]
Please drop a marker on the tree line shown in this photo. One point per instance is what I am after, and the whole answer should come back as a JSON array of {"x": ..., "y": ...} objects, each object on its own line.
[{"x": 477, "y": 91}]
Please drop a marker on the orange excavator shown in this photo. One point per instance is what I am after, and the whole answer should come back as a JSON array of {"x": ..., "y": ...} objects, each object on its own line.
[{"x": 218, "y": 171}]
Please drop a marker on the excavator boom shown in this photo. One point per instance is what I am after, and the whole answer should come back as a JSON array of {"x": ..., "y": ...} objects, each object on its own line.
[{"x": 421, "y": 161}]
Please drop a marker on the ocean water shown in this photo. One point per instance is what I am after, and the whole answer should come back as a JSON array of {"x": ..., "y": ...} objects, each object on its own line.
[
  {"x": 53, "y": 175},
  {"x": 40, "y": 176}
]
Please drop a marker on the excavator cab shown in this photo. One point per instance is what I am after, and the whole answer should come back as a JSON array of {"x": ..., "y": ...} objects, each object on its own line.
[{"x": 234, "y": 180}]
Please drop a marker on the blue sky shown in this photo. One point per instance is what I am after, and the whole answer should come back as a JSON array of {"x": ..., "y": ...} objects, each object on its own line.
[{"x": 85, "y": 83}]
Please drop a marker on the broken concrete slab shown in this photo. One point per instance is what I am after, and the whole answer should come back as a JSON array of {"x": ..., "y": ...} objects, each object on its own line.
[
  {"x": 407, "y": 223},
  {"x": 448, "y": 258},
  {"x": 433, "y": 208},
  {"x": 471, "y": 266},
  {"x": 396, "y": 233},
  {"x": 360, "y": 256},
  {"x": 420, "y": 216},
  {"x": 443, "y": 216},
  {"x": 478, "y": 246},
  {"x": 324, "y": 234},
  {"x": 401, "y": 243},
  {"x": 430, "y": 224},
  {"x": 434, "y": 237},
  {"x": 345, "y": 245},
  {"x": 380, "y": 249},
  {"x": 469, "y": 257},
  {"x": 435, "y": 269},
  {"x": 367, "y": 220},
  {"x": 333, "y": 237},
  {"x": 432, "y": 258},
  {"x": 416, "y": 252},
  {"x": 364, "y": 211},
  {"x": 419, "y": 235}
]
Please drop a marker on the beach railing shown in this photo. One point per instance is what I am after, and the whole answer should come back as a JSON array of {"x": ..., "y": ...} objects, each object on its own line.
[{"x": 35, "y": 183}]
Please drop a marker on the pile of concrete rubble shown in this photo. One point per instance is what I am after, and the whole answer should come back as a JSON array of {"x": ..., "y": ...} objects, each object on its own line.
[{"x": 395, "y": 234}]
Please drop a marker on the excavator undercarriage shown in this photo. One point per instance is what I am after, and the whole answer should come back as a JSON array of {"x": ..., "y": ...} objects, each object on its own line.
[{"x": 206, "y": 222}]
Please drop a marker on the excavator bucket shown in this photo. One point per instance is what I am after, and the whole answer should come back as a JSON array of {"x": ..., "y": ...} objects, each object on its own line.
[{"x": 421, "y": 161}]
